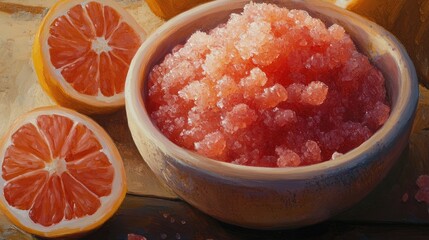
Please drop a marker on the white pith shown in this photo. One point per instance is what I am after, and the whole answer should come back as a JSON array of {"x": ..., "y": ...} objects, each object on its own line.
[
  {"x": 57, "y": 166},
  {"x": 100, "y": 45}
]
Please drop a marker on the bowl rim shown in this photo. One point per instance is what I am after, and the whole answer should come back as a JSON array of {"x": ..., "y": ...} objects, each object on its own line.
[{"x": 400, "y": 115}]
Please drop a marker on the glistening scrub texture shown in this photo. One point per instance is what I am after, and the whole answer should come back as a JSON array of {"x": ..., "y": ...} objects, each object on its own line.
[{"x": 272, "y": 87}]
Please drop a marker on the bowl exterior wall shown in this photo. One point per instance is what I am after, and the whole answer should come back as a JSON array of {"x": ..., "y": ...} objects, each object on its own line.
[{"x": 275, "y": 204}]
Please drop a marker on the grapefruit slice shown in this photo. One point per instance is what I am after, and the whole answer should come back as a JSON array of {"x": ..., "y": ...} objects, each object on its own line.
[
  {"x": 61, "y": 173},
  {"x": 82, "y": 52}
]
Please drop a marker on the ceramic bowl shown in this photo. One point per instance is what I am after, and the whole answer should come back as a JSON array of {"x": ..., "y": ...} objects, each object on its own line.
[{"x": 274, "y": 198}]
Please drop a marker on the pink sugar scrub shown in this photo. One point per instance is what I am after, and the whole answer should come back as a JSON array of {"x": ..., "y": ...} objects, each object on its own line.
[{"x": 272, "y": 87}]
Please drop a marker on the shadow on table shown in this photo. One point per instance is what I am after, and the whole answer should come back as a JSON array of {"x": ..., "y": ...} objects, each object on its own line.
[{"x": 156, "y": 218}]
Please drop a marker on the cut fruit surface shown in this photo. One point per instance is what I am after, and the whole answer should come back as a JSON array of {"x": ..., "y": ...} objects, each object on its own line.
[
  {"x": 82, "y": 53},
  {"x": 61, "y": 174}
]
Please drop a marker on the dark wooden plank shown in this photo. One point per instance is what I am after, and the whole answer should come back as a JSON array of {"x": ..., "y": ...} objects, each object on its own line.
[{"x": 156, "y": 218}]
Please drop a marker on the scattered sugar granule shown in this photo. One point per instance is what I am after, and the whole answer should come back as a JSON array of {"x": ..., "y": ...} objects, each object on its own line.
[
  {"x": 133, "y": 236},
  {"x": 422, "y": 194},
  {"x": 270, "y": 87},
  {"x": 405, "y": 197}
]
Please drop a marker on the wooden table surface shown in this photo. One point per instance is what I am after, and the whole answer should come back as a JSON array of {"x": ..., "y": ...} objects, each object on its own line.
[{"x": 154, "y": 211}]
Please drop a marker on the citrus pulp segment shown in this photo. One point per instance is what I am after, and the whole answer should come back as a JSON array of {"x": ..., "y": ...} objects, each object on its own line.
[
  {"x": 61, "y": 174},
  {"x": 82, "y": 53}
]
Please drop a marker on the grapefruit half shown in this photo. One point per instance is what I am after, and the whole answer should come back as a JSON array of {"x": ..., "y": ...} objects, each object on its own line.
[
  {"x": 61, "y": 173},
  {"x": 82, "y": 52}
]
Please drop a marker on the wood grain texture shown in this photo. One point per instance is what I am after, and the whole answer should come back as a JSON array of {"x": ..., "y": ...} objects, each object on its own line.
[
  {"x": 140, "y": 179},
  {"x": 10, "y": 232},
  {"x": 16, "y": 7}
]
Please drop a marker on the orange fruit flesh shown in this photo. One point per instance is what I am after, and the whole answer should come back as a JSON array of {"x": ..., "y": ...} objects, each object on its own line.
[
  {"x": 56, "y": 169},
  {"x": 92, "y": 48}
]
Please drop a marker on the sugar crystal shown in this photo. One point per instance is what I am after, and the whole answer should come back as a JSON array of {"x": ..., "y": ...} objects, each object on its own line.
[{"x": 271, "y": 87}]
